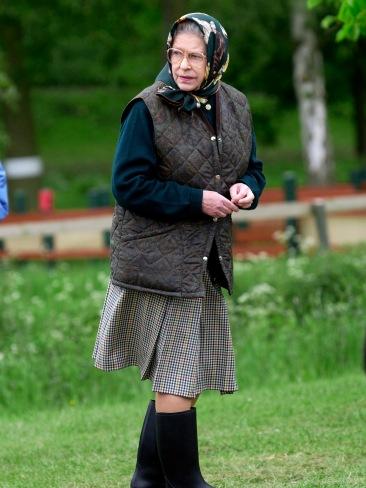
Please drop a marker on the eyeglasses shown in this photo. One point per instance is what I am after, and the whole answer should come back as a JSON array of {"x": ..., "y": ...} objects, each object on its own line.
[{"x": 176, "y": 56}]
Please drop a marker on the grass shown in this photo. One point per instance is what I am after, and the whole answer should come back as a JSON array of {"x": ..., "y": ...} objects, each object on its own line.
[
  {"x": 78, "y": 128},
  {"x": 290, "y": 435},
  {"x": 298, "y": 418}
]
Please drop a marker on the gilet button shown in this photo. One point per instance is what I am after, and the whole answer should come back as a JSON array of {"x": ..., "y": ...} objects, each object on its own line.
[
  {"x": 205, "y": 258},
  {"x": 217, "y": 177},
  {"x": 220, "y": 257},
  {"x": 215, "y": 219},
  {"x": 213, "y": 138}
]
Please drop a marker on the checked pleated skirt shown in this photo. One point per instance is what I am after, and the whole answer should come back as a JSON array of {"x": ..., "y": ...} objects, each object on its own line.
[{"x": 183, "y": 345}]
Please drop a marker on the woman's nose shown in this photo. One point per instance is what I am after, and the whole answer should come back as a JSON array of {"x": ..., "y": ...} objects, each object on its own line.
[{"x": 184, "y": 63}]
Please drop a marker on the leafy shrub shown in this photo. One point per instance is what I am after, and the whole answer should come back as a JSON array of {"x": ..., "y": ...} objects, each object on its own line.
[
  {"x": 299, "y": 318},
  {"x": 292, "y": 319}
]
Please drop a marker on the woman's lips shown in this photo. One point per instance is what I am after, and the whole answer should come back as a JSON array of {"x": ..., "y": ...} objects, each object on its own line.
[{"x": 187, "y": 79}]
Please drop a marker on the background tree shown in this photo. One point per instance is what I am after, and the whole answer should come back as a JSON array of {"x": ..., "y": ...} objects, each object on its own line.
[
  {"x": 310, "y": 90},
  {"x": 22, "y": 161},
  {"x": 87, "y": 36},
  {"x": 8, "y": 95},
  {"x": 120, "y": 46},
  {"x": 348, "y": 18}
]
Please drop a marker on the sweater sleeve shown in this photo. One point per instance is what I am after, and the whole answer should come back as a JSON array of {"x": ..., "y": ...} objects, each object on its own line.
[
  {"x": 254, "y": 176},
  {"x": 135, "y": 184}
]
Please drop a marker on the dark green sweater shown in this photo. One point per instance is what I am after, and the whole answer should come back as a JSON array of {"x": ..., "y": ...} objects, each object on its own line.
[{"x": 134, "y": 182}]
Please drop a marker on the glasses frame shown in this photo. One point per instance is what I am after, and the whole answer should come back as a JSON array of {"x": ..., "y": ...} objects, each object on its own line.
[{"x": 185, "y": 55}]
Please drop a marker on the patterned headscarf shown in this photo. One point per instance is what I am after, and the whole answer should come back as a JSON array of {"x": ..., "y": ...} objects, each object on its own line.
[{"x": 216, "y": 40}]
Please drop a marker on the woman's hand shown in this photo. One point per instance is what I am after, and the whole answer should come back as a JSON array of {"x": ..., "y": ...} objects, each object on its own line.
[
  {"x": 241, "y": 195},
  {"x": 216, "y": 205}
]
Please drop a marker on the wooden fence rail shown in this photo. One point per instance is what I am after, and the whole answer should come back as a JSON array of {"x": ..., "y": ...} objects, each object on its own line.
[
  {"x": 298, "y": 210},
  {"x": 34, "y": 228},
  {"x": 62, "y": 224}
]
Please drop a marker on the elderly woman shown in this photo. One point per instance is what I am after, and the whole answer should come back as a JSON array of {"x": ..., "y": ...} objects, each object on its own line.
[{"x": 185, "y": 160}]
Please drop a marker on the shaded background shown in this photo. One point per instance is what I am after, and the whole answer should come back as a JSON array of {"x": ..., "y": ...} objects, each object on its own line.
[{"x": 77, "y": 63}]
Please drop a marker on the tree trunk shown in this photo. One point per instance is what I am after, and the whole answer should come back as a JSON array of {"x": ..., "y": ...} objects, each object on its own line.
[
  {"x": 23, "y": 165},
  {"x": 310, "y": 91},
  {"x": 359, "y": 97}
]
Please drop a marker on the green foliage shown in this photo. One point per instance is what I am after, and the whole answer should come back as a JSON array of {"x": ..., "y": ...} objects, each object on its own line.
[
  {"x": 291, "y": 320},
  {"x": 68, "y": 43},
  {"x": 259, "y": 43},
  {"x": 124, "y": 42},
  {"x": 71, "y": 42},
  {"x": 9, "y": 96},
  {"x": 309, "y": 309},
  {"x": 120, "y": 46},
  {"x": 8, "y": 93},
  {"x": 351, "y": 17},
  {"x": 266, "y": 126}
]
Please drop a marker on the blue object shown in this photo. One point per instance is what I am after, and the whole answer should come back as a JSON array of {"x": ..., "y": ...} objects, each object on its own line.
[{"x": 4, "y": 203}]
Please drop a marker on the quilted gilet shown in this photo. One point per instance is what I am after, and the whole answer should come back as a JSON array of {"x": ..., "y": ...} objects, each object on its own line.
[{"x": 168, "y": 257}]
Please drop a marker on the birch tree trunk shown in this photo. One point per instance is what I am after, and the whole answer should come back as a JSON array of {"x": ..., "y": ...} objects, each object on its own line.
[{"x": 310, "y": 91}]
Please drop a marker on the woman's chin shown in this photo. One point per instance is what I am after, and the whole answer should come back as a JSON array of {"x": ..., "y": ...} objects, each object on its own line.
[{"x": 187, "y": 86}]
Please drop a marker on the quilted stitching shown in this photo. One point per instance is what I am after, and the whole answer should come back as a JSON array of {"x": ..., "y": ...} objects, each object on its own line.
[{"x": 167, "y": 257}]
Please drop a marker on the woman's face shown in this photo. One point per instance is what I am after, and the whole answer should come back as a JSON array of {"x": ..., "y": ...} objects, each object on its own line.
[{"x": 189, "y": 77}]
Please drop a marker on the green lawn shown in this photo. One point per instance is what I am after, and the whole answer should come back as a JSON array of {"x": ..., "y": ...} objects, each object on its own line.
[{"x": 309, "y": 434}]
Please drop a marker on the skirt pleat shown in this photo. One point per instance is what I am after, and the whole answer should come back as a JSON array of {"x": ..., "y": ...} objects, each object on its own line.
[{"x": 183, "y": 345}]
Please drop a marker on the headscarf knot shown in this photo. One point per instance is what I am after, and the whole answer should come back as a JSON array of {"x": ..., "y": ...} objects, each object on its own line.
[{"x": 216, "y": 40}]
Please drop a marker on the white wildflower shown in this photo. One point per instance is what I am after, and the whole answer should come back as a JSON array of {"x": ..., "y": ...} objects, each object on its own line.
[
  {"x": 257, "y": 291},
  {"x": 57, "y": 335}
]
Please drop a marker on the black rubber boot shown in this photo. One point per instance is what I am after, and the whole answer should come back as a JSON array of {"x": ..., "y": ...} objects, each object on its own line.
[
  {"x": 148, "y": 472},
  {"x": 176, "y": 435}
]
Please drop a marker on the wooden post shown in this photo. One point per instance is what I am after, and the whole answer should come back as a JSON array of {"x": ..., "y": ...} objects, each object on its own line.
[
  {"x": 20, "y": 201},
  {"x": 99, "y": 197},
  {"x": 320, "y": 217},
  {"x": 48, "y": 242},
  {"x": 292, "y": 225},
  {"x": 107, "y": 238}
]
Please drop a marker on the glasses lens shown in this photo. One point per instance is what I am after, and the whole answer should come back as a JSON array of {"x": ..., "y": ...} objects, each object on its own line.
[
  {"x": 196, "y": 58},
  {"x": 174, "y": 55}
]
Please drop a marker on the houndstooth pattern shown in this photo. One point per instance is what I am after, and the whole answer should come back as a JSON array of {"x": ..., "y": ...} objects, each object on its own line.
[{"x": 183, "y": 345}]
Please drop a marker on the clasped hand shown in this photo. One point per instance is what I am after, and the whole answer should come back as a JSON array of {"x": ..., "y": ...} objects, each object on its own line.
[{"x": 216, "y": 205}]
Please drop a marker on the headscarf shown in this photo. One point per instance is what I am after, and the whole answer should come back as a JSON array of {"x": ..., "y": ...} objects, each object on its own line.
[{"x": 216, "y": 40}]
